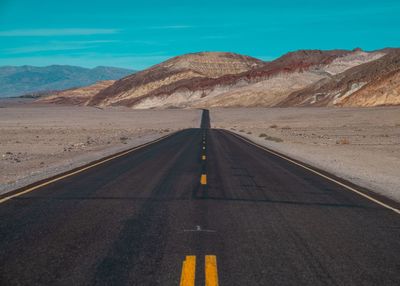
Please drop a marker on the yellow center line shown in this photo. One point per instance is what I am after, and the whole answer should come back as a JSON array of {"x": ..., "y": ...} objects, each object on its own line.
[
  {"x": 203, "y": 179},
  {"x": 211, "y": 270},
  {"x": 188, "y": 271},
  {"x": 203, "y": 157}
]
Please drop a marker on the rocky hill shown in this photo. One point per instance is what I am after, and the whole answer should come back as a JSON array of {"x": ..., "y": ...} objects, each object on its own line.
[
  {"x": 273, "y": 82},
  {"x": 216, "y": 79},
  {"x": 184, "y": 73},
  {"x": 367, "y": 84},
  {"x": 17, "y": 81}
]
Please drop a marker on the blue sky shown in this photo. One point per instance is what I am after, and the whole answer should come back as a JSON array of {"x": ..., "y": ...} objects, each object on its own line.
[{"x": 138, "y": 34}]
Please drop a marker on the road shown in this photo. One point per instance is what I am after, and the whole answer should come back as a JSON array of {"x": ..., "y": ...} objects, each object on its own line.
[{"x": 147, "y": 218}]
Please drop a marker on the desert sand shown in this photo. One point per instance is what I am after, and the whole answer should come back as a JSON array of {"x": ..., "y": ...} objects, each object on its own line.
[
  {"x": 39, "y": 141},
  {"x": 361, "y": 145}
]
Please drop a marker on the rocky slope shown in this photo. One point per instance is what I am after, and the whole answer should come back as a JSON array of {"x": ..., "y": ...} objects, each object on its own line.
[
  {"x": 23, "y": 80},
  {"x": 189, "y": 72},
  {"x": 216, "y": 79},
  {"x": 275, "y": 81},
  {"x": 382, "y": 92},
  {"x": 76, "y": 96},
  {"x": 368, "y": 84}
]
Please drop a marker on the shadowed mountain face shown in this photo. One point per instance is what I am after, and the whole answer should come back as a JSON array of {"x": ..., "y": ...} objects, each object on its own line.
[
  {"x": 16, "y": 81},
  {"x": 216, "y": 79}
]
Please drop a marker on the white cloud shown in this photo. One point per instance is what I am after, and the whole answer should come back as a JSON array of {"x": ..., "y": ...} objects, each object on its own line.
[
  {"x": 56, "y": 46},
  {"x": 215, "y": 37},
  {"x": 170, "y": 27},
  {"x": 56, "y": 32}
]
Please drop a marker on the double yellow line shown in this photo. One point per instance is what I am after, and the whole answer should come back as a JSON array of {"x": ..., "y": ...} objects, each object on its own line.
[{"x": 188, "y": 275}]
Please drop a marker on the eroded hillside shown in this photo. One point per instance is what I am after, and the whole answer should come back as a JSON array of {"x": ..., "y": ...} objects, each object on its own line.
[{"x": 217, "y": 79}]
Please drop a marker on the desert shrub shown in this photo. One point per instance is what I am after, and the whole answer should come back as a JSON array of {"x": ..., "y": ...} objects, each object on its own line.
[
  {"x": 275, "y": 139},
  {"x": 273, "y": 126},
  {"x": 343, "y": 141},
  {"x": 262, "y": 135}
]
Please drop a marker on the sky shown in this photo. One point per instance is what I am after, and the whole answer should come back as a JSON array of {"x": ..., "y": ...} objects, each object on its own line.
[{"x": 137, "y": 34}]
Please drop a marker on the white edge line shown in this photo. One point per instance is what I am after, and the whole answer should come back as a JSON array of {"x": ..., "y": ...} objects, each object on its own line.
[
  {"x": 316, "y": 172},
  {"x": 83, "y": 169}
]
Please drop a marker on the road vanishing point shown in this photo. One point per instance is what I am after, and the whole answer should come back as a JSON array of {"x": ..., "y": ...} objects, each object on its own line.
[{"x": 201, "y": 206}]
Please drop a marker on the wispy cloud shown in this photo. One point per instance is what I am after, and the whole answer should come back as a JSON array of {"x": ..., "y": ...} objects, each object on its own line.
[
  {"x": 170, "y": 27},
  {"x": 215, "y": 37},
  {"x": 56, "y": 46},
  {"x": 56, "y": 32}
]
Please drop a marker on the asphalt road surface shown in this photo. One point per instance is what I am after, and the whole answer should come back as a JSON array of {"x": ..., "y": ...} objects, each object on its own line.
[{"x": 201, "y": 207}]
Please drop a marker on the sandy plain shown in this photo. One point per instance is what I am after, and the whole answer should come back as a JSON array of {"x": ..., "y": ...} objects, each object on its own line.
[
  {"x": 361, "y": 145},
  {"x": 38, "y": 141}
]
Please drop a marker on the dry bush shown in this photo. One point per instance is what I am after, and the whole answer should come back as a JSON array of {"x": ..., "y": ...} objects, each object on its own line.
[
  {"x": 270, "y": 138},
  {"x": 275, "y": 139},
  {"x": 273, "y": 126},
  {"x": 343, "y": 141},
  {"x": 124, "y": 139}
]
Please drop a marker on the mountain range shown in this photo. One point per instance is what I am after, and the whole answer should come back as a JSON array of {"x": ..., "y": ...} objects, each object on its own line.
[
  {"x": 221, "y": 79},
  {"x": 30, "y": 80}
]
